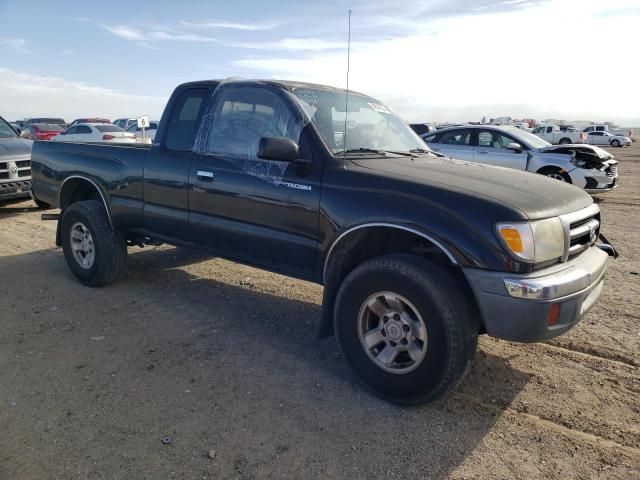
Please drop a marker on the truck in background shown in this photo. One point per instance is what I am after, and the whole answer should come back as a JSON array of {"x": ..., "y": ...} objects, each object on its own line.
[{"x": 556, "y": 136}]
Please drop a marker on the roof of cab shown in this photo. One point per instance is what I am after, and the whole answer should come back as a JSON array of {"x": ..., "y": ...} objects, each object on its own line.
[{"x": 289, "y": 85}]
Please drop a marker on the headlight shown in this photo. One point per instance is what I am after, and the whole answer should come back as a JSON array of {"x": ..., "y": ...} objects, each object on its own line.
[{"x": 533, "y": 242}]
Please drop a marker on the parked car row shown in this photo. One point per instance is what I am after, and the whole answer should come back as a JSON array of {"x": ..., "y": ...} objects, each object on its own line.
[
  {"x": 588, "y": 167},
  {"x": 84, "y": 130}
]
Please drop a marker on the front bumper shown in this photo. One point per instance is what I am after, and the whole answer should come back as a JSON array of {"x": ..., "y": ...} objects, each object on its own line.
[
  {"x": 523, "y": 315},
  {"x": 600, "y": 184},
  {"x": 15, "y": 189}
]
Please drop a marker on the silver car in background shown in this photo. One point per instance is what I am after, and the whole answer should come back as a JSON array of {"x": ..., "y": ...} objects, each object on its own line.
[{"x": 586, "y": 166}]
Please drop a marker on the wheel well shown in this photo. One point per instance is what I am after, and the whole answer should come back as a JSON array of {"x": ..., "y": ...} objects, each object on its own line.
[
  {"x": 565, "y": 140},
  {"x": 366, "y": 243},
  {"x": 548, "y": 169},
  {"x": 78, "y": 190}
]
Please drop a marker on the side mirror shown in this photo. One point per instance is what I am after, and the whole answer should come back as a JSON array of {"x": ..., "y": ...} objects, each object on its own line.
[
  {"x": 278, "y": 148},
  {"x": 514, "y": 146}
]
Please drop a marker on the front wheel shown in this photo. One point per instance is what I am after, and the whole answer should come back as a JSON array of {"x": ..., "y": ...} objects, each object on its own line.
[
  {"x": 615, "y": 143},
  {"x": 42, "y": 205},
  {"x": 95, "y": 252},
  {"x": 556, "y": 174},
  {"x": 404, "y": 326}
]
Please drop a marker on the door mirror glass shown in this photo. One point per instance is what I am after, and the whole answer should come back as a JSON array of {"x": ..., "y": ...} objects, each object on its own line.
[
  {"x": 514, "y": 146},
  {"x": 278, "y": 148}
]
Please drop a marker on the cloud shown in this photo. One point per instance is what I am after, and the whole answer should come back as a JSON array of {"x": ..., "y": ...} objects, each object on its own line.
[
  {"x": 229, "y": 25},
  {"x": 52, "y": 96},
  {"x": 292, "y": 44},
  {"x": 497, "y": 64},
  {"x": 146, "y": 36},
  {"x": 19, "y": 45}
]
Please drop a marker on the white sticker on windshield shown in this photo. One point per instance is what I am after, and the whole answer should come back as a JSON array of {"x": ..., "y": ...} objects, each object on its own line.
[{"x": 378, "y": 107}]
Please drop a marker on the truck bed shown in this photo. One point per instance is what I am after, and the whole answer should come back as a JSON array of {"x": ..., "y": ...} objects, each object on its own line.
[{"x": 116, "y": 169}]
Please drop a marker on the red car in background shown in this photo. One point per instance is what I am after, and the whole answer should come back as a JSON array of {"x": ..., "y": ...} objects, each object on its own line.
[{"x": 41, "y": 131}]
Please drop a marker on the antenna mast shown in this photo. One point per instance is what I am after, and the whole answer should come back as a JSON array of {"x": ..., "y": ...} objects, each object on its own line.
[{"x": 346, "y": 96}]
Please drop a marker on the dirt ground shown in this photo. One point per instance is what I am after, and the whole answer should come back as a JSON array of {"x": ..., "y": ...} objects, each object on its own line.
[{"x": 224, "y": 360}]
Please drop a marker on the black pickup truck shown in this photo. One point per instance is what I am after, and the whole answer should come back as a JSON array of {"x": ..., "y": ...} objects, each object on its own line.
[{"x": 418, "y": 254}]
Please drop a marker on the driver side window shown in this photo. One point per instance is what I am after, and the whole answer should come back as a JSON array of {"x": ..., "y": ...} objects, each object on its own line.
[
  {"x": 492, "y": 139},
  {"x": 242, "y": 116}
]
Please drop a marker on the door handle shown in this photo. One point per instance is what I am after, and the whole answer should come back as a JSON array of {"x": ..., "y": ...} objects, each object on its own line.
[
  {"x": 483, "y": 151},
  {"x": 204, "y": 175}
]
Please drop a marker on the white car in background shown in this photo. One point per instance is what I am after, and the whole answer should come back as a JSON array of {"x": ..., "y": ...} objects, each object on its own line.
[
  {"x": 607, "y": 138},
  {"x": 148, "y": 132},
  {"x": 585, "y": 166},
  {"x": 95, "y": 132}
]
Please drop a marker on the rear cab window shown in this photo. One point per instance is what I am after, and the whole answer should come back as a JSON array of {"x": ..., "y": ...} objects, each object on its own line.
[{"x": 185, "y": 119}]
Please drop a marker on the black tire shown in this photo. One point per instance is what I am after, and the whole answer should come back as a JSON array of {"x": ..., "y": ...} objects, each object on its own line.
[
  {"x": 555, "y": 173},
  {"x": 615, "y": 143},
  {"x": 110, "y": 248},
  {"x": 42, "y": 205},
  {"x": 452, "y": 333},
  {"x": 564, "y": 141}
]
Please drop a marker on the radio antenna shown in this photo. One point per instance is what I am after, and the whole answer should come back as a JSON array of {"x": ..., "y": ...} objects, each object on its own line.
[{"x": 346, "y": 96}]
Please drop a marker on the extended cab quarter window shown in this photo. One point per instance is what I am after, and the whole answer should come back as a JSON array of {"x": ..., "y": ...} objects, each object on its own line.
[
  {"x": 185, "y": 117},
  {"x": 243, "y": 115}
]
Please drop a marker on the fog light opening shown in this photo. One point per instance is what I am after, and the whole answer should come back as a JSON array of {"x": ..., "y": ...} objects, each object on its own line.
[{"x": 554, "y": 314}]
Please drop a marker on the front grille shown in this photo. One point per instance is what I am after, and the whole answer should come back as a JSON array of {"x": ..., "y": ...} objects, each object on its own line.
[
  {"x": 24, "y": 185},
  {"x": 612, "y": 171},
  {"x": 23, "y": 163},
  {"x": 583, "y": 233},
  {"x": 4, "y": 175},
  {"x": 24, "y": 173}
]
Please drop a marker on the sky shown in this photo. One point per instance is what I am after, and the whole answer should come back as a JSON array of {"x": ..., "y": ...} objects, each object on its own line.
[{"x": 431, "y": 61}]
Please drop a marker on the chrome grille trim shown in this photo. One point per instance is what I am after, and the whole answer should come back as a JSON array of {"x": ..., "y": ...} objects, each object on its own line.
[{"x": 583, "y": 221}]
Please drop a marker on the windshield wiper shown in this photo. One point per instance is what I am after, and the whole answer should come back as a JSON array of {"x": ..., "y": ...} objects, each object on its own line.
[
  {"x": 361, "y": 150},
  {"x": 374, "y": 151},
  {"x": 420, "y": 150}
]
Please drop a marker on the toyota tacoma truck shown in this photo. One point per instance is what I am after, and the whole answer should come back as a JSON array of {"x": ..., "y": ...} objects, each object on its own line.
[{"x": 418, "y": 254}]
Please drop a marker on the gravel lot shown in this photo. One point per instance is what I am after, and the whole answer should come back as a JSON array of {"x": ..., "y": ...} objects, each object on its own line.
[{"x": 224, "y": 359}]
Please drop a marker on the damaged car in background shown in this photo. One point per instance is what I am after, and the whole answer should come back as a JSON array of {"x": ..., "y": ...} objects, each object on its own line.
[{"x": 586, "y": 166}]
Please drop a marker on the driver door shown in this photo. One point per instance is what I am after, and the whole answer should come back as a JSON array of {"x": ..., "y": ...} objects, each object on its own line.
[{"x": 263, "y": 212}]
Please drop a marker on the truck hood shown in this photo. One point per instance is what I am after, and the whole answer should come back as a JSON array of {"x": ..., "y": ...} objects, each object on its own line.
[
  {"x": 589, "y": 150},
  {"x": 14, "y": 147},
  {"x": 534, "y": 195}
]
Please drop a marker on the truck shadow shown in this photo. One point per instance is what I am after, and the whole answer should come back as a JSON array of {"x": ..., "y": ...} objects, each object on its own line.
[
  {"x": 20, "y": 207},
  {"x": 264, "y": 344}
]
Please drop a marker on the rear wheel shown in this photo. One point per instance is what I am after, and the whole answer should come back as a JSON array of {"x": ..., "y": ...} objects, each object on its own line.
[
  {"x": 564, "y": 141},
  {"x": 615, "y": 143},
  {"x": 95, "y": 252},
  {"x": 405, "y": 327}
]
